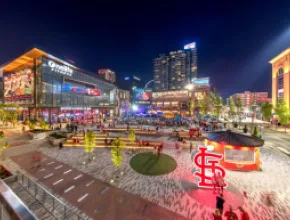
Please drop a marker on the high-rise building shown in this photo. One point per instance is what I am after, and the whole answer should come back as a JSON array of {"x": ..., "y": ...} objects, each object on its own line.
[
  {"x": 175, "y": 70},
  {"x": 248, "y": 98},
  {"x": 280, "y": 77},
  {"x": 108, "y": 75}
]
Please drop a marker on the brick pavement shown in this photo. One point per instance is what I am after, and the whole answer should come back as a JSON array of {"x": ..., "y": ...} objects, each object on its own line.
[{"x": 94, "y": 197}]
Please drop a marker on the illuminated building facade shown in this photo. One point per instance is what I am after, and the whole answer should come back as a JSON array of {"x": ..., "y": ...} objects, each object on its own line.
[
  {"x": 248, "y": 98},
  {"x": 50, "y": 88},
  {"x": 176, "y": 101},
  {"x": 175, "y": 70},
  {"x": 280, "y": 77},
  {"x": 108, "y": 75}
]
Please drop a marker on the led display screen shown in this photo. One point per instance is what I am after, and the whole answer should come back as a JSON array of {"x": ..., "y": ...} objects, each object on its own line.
[
  {"x": 142, "y": 96},
  {"x": 76, "y": 89},
  {"x": 19, "y": 86}
]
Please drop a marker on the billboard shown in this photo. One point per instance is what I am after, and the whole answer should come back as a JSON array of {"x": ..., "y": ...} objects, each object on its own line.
[
  {"x": 80, "y": 90},
  {"x": 19, "y": 86},
  {"x": 170, "y": 94},
  {"x": 201, "y": 82},
  {"x": 142, "y": 96},
  {"x": 190, "y": 46},
  {"x": 112, "y": 96}
]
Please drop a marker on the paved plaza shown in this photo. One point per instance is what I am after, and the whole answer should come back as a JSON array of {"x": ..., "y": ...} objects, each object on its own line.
[{"x": 167, "y": 191}]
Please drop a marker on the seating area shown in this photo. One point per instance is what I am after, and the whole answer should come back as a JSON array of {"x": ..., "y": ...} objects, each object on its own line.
[{"x": 104, "y": 140}]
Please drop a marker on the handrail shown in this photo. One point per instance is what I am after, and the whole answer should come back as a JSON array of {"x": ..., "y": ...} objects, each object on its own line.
[
  {"x": 13, "y": 206},
  {"x": 21, "y": 177}
]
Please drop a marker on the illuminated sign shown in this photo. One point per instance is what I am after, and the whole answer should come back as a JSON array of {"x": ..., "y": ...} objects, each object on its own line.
[
  {"x": 170, "y": 94},
  {"x": 127, "y": 78},
  {"x": 65, "y": 70},
  {"x": 142, "y": 96},
  {"x": 71, "y": 88},
  {"x": 190, "y": 46},
  {"x": 75, "y": 108},
  {"x": 112, "y": 96},
  {"x": 137, "y": 78},
  {"x": 198, "y": 82},
  {"x": 208, "y": 163}
]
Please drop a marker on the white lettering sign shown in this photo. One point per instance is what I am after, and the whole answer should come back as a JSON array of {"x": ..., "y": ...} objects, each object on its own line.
[{"x": 60, "y": 68}]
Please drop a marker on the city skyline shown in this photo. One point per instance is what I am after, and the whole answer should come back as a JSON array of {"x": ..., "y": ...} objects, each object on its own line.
[{"x": 233, "y": 50}]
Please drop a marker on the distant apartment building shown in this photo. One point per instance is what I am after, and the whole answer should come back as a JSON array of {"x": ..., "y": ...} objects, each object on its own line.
[
  {"x": 248, "y": 98},
  {"x": 175, "y": 70},
  {"x": 107, "y": 74}
]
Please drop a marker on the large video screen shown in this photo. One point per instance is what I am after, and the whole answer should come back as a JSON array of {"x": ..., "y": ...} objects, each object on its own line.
[
  {"x": 239, "y": 155},
  {"x": 142, "y": 96},
  {"x": 19, "y": 86},
  {"x": 80, "y": 90}
]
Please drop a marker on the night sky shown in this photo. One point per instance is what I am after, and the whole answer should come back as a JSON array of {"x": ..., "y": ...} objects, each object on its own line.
[{"x": 234, "y": 43}]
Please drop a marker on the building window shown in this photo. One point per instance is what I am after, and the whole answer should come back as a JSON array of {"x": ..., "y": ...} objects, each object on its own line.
[{"x": 280, "y": 71}]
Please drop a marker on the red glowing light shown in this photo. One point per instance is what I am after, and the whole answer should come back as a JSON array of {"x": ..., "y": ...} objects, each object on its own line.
[{"x": 206, "y": 161}]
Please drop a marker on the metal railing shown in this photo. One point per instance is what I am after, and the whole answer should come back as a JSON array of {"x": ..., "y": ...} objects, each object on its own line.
[
  {"x": 11, "y": 207},
  {"x": 52, "y": 204}
]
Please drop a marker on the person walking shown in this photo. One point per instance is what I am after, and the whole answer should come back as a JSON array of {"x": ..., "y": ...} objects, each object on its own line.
[
  {"x": 244, "y": 215},
  {"x": 230, "y": 215},
  {"x": 220, "y": 203}
]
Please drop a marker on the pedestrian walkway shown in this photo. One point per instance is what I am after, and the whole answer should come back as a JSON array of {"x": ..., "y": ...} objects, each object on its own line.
[{"x": 94, "y": 197}]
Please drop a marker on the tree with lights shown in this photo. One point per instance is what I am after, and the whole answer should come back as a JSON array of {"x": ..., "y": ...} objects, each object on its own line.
[
  {"x": 202, "y": 105},
  {"x": 190, "y": 106},
  {"x": 266, "y": 110},
  {"x": 217, "y": 103},
  {"x": 232, "y": 106},
  {"x": 90, "y": 143},
  {"x": 239, "y": 106},
  {"x": 117, "y": 157},
  {"x": 282, "y": 111}
]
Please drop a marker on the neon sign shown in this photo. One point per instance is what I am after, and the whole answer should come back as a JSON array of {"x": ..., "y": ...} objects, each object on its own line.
[
  {"x": 190, "y": 46},
  {"x": 207, "y": 162}
]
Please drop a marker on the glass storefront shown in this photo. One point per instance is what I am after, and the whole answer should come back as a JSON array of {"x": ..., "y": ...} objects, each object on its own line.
[{"x": 57, "y": 91}]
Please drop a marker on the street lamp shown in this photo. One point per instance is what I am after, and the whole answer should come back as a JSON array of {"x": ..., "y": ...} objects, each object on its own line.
[
  {"x": 189, "y": 86},
  {"x": 134, "y": 107}
]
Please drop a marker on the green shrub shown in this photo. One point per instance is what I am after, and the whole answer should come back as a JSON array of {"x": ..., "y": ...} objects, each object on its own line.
[
  {"x": 245, "y": 129},
  {"x": 255, "y": 133}
]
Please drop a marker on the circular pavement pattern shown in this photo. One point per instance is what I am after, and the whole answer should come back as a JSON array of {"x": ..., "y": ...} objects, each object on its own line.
[
  {"x": 206, "y": 197},
  {"x": 148, "y": 164}
]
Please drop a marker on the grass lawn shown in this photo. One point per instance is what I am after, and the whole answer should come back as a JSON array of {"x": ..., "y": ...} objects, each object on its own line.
[{"x": 148, "y": 164}]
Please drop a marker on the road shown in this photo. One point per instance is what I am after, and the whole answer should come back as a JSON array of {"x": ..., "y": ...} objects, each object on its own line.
[{"x": 277, "y": 139}]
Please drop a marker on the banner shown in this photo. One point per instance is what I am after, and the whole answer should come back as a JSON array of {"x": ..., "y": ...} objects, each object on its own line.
[{"x": 19, "y": 86}]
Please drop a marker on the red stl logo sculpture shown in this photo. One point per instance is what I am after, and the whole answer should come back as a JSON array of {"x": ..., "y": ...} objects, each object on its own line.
[{"x": 204, "y": 161}]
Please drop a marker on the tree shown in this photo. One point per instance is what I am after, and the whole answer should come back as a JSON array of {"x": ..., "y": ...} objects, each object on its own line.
[
  {"x": 239, "y": 106},
  {"x": 90, "y": 143},
  {"x": 2, "y": 148},
  {"x": 232, "y": 111},
  {"x": 217, "y": 103},
  {"x": 116, "y": 152},
  {"x": 255, "y": 133},
  {"x": 282, "y": 111},
  {"x": 132, "y": 135},
  {"x": 202, "y": 105},
  {"x": 190, "y": 106},
  {"x": 266, "y": 110}
]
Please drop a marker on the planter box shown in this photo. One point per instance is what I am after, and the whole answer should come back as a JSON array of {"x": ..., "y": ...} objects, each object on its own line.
[
  {"x": 5, "y": 173},
  {"x": 40, "y": 135},
  {"x": 55, "y": 142}
]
